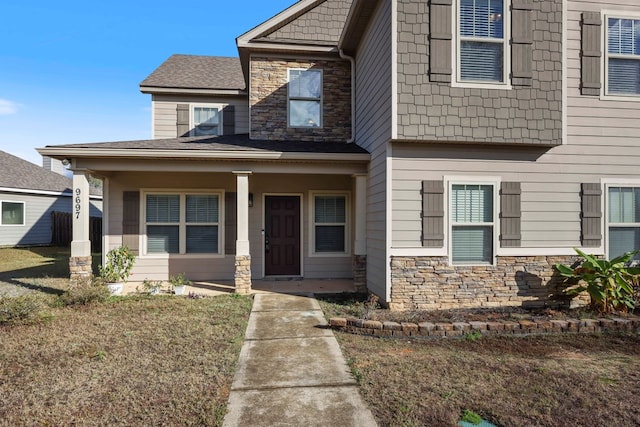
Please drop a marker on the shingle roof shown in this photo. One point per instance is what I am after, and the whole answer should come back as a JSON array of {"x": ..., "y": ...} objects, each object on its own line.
[
  {"x": 240, "y": 143},
  {"x": 197, "y": 72},
  {"x": 21, "y": 174}
]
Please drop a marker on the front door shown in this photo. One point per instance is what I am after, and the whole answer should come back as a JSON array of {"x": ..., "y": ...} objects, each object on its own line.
[{"x": 282, "y": 236}]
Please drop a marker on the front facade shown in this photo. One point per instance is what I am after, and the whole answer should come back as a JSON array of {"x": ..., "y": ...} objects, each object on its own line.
[{"x": 442, "y": 153}]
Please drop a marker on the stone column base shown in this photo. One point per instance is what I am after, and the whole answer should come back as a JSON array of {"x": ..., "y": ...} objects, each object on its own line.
[
  {"x": 80, "y": 267},
  {"x": 359, "y": 267},
  {"x": 243, "y": 274}
]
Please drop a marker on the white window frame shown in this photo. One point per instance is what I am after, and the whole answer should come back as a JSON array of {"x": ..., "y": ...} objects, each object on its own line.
[
  {"x": 607, "y": 184},
  {"x": 24, "y": 213},
  {"x": 462, "y": 180},
  {"x": 606, "y": 14},
  {"x": 182, "y": 224},
  {"x": 192, "y": 115},
  {"x": 506, "y": 51},
  {"x": 320, "y": 99},
  {"x": 312, "y": 223}
]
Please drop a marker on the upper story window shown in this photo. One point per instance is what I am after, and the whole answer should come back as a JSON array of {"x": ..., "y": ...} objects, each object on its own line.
[
  {"x": 206, "y": 120},
  {"x": 482, "y": 41},
  {"x": 12, "y": 213},
  {"x": 305, "y": 98},
  {"x": 623, "y": 56}
]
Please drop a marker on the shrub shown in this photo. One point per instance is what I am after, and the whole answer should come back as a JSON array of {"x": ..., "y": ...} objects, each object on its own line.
[
  {"x": 608, "y": 283},
  {"x": 21, "y": 309},
  {"x": 118, "y": 266},
  {"x": 85, "y": 291}
]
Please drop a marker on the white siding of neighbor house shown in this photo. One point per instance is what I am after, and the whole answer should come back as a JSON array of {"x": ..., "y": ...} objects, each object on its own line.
[
  {"x": 373, "y": 130},
  {"x": 219, "y": 267},
  {"x": 38, "y": 209},
  {"x": 165, "y": 116},
  {"x": 603, "y": 141}
]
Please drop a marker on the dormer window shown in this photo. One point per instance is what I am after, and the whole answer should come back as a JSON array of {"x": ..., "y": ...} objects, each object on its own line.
[
  {"x": 305, "y": 98},
  {"x": 206, "y": 121}
]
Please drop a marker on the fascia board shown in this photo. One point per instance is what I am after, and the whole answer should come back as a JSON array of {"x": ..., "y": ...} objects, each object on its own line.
[{"x": 163, "y": 90}]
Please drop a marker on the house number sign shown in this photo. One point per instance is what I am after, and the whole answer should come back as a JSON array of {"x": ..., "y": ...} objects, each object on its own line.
[{"x": 77, "y": 206}]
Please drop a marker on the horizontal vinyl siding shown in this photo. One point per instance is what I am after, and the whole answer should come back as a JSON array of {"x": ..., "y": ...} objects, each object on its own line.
[
  {"x": 164, "y": 112},
  {"x": 222, "y": 267},
  {"x": 373, "y": 131}
]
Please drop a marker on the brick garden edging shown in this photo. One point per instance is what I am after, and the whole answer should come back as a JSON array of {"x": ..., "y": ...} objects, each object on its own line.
[{"x": 457, "y": 329}]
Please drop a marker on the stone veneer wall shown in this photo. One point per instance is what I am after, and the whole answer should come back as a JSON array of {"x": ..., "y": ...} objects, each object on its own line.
[
  {"x": 430, "y": 283},
  {"x": 268, "y": 100},
  {"x": 242, "y": 276},
  {"x": 439, "y": 112},
  {"x": 359, "y": 264},
  {"x": 80, "y": 267}
]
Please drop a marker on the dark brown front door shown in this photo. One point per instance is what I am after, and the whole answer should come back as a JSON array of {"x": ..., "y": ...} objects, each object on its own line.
[{"x": 282, "y": 236}]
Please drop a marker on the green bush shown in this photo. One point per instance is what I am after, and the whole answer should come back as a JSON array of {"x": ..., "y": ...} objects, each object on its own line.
[
  {"x": 21, "y": 309},
  {"x": 609, "y": 283},
  {"x": 86, "y": 291}
]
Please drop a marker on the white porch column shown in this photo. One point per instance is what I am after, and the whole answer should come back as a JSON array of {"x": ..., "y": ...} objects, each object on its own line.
[
  {"x": 80, "y": 261},
  {"x": 359, "y": 262},
  {"x": 243, "y": 256}
]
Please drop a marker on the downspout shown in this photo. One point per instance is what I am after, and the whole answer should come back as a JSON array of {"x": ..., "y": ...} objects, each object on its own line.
[{"x": 352, "y": 61}]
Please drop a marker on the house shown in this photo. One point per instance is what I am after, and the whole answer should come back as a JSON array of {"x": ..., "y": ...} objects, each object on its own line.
[
  {"x": 442, "y": 153},
  {"x": 28, "y": 196}
]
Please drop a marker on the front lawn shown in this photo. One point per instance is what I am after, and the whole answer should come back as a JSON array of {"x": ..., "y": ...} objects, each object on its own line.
[{"x": 129, "y": 361}]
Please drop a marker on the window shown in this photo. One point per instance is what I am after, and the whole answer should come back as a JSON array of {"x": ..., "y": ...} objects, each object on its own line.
[
  {"x": 12, "y": 213},
  {"x": 206, "y": 121},
  {"x": 482, "y": 42},
  {"x": 472, "y": 223},
  {"x": 330, "y": 223},
  {"x": 623, "y": 56},
  {"x": 182, "y": 223},
  {"x": 624, "y": 220},
  {"x": 305, "y": 98}
]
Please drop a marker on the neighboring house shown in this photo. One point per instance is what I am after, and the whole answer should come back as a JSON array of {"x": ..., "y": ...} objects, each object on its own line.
[
  {"x": 441, "y": 153},
  {"x": 28, "y": 196}
]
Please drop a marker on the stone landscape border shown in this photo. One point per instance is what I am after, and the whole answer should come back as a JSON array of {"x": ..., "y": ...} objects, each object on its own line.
[{"x": 458, "y": 329}]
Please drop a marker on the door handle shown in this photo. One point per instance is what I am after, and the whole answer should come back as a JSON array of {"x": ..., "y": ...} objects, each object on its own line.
[{"x": 266, "y": 243}]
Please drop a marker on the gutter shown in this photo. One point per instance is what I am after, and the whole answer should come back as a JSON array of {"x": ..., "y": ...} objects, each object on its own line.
[{"x": 352, "y": 61}]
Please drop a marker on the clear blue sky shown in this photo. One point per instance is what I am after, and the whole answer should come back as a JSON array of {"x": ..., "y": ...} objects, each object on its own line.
[{"x": 70, "y": 70}]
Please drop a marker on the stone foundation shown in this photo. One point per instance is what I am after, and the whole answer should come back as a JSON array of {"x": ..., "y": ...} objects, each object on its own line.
[
  {"x": 430, "y": 283},
  {"x": 359, "y": 266},
  {"x": 80, "y": 267},
  {"x": 243, "y": 274}
]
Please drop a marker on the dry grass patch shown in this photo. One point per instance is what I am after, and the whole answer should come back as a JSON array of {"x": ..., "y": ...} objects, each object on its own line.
[
  {"x": 575, "y": 380},
  {"x": 130, "y": 361}
]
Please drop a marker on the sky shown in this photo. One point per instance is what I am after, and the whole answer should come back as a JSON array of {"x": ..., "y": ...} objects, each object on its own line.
[{"x": 70, "y": 70}]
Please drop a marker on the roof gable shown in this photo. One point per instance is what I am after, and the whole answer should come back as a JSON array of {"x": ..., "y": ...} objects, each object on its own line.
[{"x": 21, "y": 174}]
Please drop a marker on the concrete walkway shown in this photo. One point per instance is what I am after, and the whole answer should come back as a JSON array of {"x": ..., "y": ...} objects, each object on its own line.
[{"x": 291, "y": 371}]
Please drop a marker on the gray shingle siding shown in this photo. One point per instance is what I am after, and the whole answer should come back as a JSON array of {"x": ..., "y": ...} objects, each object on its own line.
[{"x": 436, "y": 111}]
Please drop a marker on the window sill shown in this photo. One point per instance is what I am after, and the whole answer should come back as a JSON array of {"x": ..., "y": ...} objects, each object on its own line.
[
  {"x": 181, "y": 256},
  {"x": 620, "y": 97},
  {"x": 329, "y": 255},
  {"x": 478, "y": 85}
]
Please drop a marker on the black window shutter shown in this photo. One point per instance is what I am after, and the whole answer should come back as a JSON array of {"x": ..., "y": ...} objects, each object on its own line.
[
  {"x": 591, "y": 53},
  {"x": 510, "y": 215},
  {"x": 521, "y": 42},
  {"x": 182, "y": 119},
  {"x": 229, "y": 120},
  {"x": 230, "y": 223},
  {"x": 131, "y": 220},
  {"x": 432, "y": 214},
  {"x": 440, "y": 41},
  {"x": 591, "y": 215}
]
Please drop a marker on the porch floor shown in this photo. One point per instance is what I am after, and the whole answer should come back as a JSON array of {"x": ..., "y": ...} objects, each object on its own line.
[{"x": 281, "y": 286}]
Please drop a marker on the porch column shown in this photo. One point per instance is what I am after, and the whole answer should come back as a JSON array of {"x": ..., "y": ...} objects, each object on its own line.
[
  {"x": 80, "y": 261},
  {"x": 243, "y": 256},
  {"x": 359, "y": 262}
]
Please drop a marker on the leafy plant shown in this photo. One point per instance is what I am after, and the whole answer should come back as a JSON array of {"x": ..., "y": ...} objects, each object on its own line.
[
  {"x": 471, "y": 417},
  {"x": 118, "y": 266},
  {"x": 179, "y": 280},
  {"x": 150, "y": 286},
  {"x": 609, "y": 283}
]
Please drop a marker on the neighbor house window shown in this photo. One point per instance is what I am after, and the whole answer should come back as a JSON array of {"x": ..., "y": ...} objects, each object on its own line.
[
  {"x": 206, "y": 121},
  {"x": 623, "y": 220},
  {"x": 623, "y": 56},
  {"x": 482, "y": 42},
  {"x": 330, "y": 223},
  {"x": 472, "y": 223},
  {"x": 182, "y": 223},
  {"x": 305, "y": 98},
  {"x": 12, "y": 213}
]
